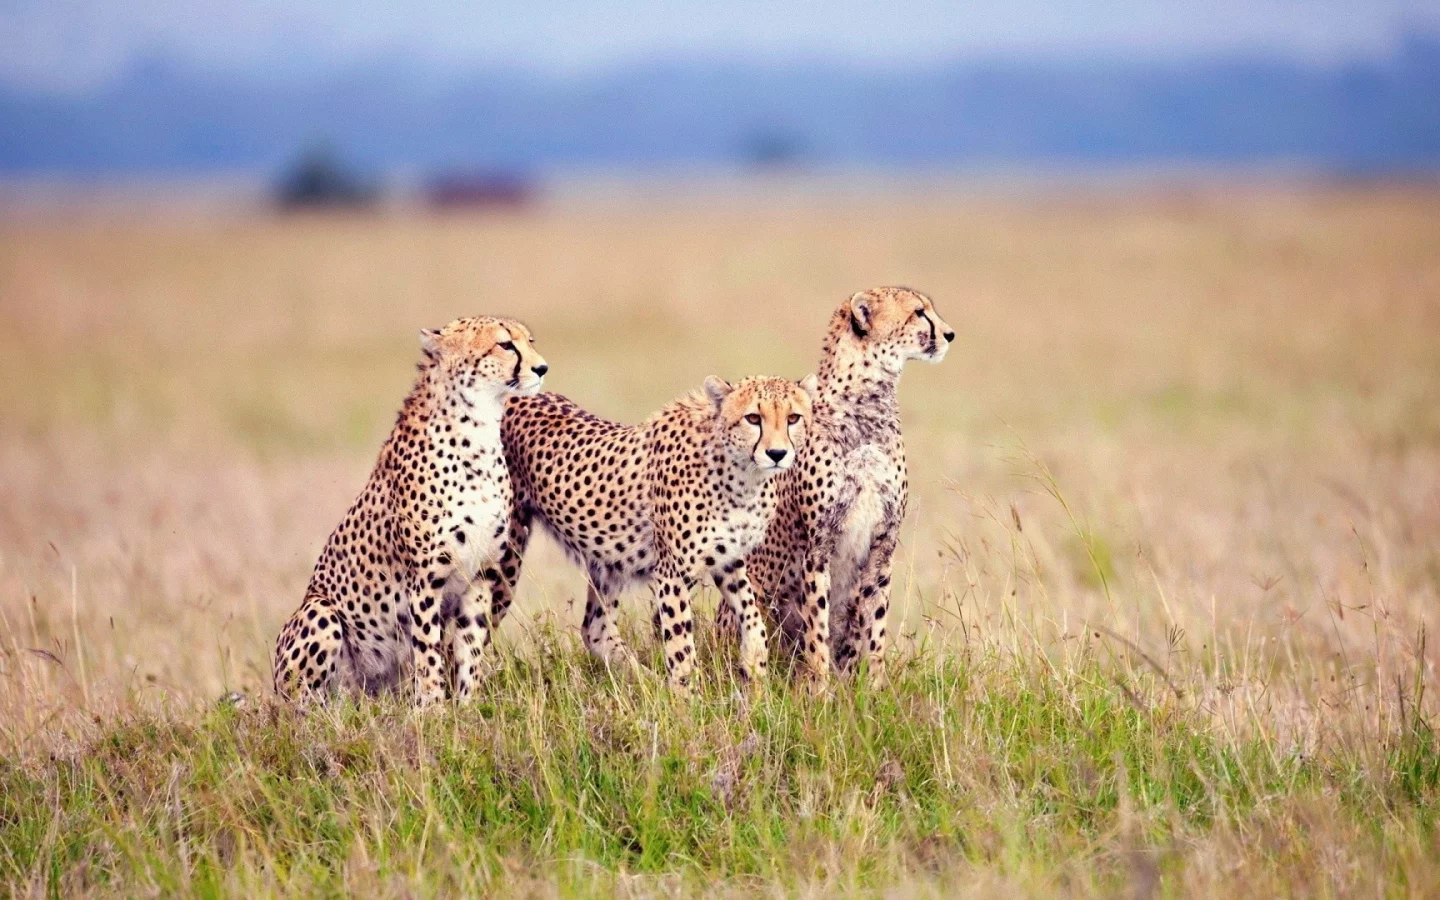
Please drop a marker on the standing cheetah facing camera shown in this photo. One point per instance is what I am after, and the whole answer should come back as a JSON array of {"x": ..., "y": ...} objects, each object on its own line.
[
  {"x": 422, "y": 550},
  {"x": 685, "y": 495},
  {"x": 824, "y": 566}
]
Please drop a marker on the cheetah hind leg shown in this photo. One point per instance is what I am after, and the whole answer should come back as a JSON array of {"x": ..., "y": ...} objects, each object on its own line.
[
  {"x": 727, "y": 623},
  {"x": 602, "y": 637},
  {"x": 312, "y": 654},
  {"x": 738, "y": 595},
  {"x": 726, "y": 633},
  {"x": 447, "y": 654},
  {"x": 782, "y": 605}
]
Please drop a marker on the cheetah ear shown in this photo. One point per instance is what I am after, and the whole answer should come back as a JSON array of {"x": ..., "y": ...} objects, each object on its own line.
[
  {"x": 810, "y": 384},
  {"x": 430, "y": 342},
  {"x": 717, "y": 389},
  {"x": 860, "y": 314}
]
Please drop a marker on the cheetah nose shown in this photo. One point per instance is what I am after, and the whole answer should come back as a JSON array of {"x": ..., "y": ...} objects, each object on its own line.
[
  {"x": 949, "y": 336},
  {"x": 540, "y": 369},
  {"x": 776, "y": 453}
]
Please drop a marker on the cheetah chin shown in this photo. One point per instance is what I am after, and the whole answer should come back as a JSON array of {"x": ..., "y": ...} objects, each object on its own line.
[{"x": 525, "y": 387}]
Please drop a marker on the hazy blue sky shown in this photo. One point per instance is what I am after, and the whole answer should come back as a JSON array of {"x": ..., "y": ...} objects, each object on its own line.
[{"x": 74, "y": 43}]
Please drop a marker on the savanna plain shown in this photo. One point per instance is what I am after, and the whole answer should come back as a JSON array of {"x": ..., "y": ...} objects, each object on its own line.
[{"x": 1167, "y": 594}]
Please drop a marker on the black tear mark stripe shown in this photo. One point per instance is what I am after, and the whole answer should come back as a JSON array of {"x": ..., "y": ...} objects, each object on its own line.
[
  {"x": 515, "y": 375},
  {"x": 855, "y": 325},
  {"x": 934, "y": 342}
]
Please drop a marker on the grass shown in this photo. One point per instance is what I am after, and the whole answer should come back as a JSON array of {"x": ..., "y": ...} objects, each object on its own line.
[
  {"x": 1076, "y": 775},
  {"x": 1162, "y": 596}
]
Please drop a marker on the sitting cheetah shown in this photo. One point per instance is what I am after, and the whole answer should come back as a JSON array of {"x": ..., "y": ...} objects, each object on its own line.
[
  {"x": 825, "y": 562},
  {"x": 686, "y": 494},
  {"x": 423, "y": 548}
]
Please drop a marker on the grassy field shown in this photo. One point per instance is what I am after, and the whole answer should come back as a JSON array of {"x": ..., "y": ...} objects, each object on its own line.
[{"x": 1173, "y": 551}]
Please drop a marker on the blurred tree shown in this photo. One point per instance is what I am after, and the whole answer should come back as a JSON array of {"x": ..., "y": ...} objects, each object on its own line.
[
  {"x": 319, "y": 178},
  {"x": 771, "y": 149}
]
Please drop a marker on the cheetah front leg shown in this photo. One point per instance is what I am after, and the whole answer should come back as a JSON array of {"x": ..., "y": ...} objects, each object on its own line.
[
  {"x": 735, "y": 588},
  {"x": 484, "y": 605},
  {"x": 504, "y": 577},
  {"x": 677, "y": 627},
  {"x": 867, "y": 610},
  {"x": 473, "y": 628},
  {"x": 427, "y": 639}
]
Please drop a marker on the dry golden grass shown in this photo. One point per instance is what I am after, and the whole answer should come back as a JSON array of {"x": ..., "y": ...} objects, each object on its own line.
[{"x": 1199, "y": 426}]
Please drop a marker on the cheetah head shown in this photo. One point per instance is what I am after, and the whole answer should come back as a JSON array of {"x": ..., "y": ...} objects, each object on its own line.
[
  {"x": 483, "y": 356},
  {"x": 762, "y": 421},
  {"x": 893, "y": 325}
]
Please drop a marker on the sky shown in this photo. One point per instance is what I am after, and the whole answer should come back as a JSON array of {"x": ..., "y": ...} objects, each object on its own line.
[{"x": 64, "y": 45}]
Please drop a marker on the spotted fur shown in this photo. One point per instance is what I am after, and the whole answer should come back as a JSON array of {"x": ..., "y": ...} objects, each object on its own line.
[
  {"x": 824, "y": 566},
  {"x": 684, "y": 496},
  {"x": 409, "y": 579}
]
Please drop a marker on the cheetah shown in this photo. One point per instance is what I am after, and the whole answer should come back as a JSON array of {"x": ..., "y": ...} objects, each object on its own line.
[
  {"x": 685, "y": 495},
  {"x": 420, "y": 558},
  {"x": 824, "y": 566}
]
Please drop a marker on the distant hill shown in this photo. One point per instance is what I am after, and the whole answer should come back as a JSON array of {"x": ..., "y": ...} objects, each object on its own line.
[{"x": 161, "y": 118}]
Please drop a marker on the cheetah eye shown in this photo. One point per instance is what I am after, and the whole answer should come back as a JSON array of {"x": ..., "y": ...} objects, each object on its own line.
[
  {"x": 508, "y": 346},
  {"x": 920, "y": 313},
  {"x": 753, "y": 419},
  {"x": 794, "y": 417}
]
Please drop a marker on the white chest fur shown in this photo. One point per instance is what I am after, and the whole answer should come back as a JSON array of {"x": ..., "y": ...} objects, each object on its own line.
[
  {"x": 479, "y": 507},
  {"x": 872, "y": 489},
  {"x": 872, "y": 479},
  {"x": 742, "y": 531},
  {"x": 482, "y": 519}
]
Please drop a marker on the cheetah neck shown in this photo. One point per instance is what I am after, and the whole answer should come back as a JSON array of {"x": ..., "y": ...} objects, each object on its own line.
[
  {"x": 746, "y": 488},
  {"x": 860, "y": 393},
  {"x": 452, "y": 412}
]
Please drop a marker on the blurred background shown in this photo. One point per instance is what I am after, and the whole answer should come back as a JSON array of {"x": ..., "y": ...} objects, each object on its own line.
[
  {"x": 450, "y": 103},
  {"x": 1192, "y": 251}
]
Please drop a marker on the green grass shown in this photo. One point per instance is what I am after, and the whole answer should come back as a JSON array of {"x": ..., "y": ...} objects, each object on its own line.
[{"x": 1031, "y": 773}]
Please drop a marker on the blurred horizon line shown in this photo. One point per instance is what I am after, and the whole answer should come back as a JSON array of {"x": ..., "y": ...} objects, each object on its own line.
[{"x": 247, "y": 193}]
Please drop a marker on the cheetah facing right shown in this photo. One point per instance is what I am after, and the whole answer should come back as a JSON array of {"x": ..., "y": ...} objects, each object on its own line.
[
  {"x": 824, "y": 567},
  {"x": 687, "y": 494},
  {"x": 417, "y": 569}
]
